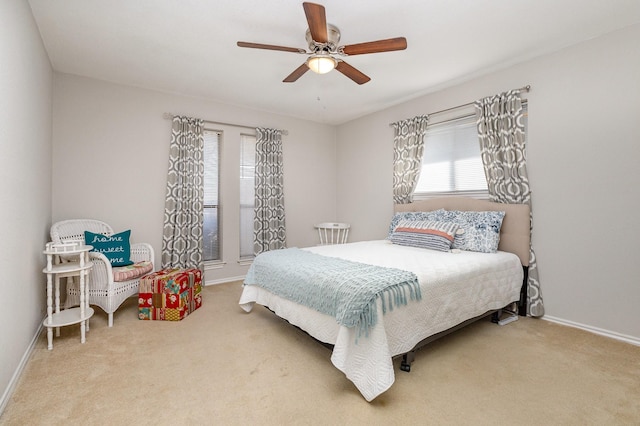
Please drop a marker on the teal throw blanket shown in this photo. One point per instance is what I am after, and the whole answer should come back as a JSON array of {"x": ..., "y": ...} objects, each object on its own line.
[{"x": 341, "y": 288}]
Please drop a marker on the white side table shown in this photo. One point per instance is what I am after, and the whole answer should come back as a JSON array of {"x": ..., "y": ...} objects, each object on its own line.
[{"x": 58, "y": 267}]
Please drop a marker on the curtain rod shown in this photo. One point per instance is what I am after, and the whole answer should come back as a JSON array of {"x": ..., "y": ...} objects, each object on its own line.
[
  {"x": 522, "y": 89},
  {"x": 169, "y": 116}
]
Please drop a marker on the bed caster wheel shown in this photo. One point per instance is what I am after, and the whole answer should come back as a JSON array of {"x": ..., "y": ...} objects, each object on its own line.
[{"x": 405, "y": 367}]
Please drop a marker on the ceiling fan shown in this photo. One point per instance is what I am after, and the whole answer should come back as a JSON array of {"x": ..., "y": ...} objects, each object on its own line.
[{"x": 323, "y": 39}]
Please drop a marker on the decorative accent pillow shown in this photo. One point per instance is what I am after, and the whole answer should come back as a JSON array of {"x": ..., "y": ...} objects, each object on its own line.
[
  {"x": 116, "y": 247},
  {"x": 431, "y": 215},
  {"x": 425, "y": 234},
  {"x": 481, "y": 229}
]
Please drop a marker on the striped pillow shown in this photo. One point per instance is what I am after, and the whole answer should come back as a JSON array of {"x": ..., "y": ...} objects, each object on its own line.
[
  {"x": 413, "y": 216},
  {"x": 425, "y": 234}
]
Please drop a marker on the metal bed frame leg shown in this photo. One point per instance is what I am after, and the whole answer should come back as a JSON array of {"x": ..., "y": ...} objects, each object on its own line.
[
  {"x": 522, "y": 305},
  {"x": 407, "y": 359}
]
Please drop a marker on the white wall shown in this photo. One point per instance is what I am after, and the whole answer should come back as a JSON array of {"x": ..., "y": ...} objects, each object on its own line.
[
  {"x": 110, "y": 157},
  {"x": 584, "y": 122},
  {"x": 25, "y": 173}
]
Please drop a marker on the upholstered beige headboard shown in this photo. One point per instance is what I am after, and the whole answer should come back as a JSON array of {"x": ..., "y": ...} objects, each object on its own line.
[{"x": 514, "y": 233}]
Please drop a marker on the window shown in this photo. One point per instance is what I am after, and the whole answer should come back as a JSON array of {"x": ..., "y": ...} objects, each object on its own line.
[
  {"x": 211, "y": 231},
  {"x": 451, "y": 162},
  {"x": 247, "y": 194}
]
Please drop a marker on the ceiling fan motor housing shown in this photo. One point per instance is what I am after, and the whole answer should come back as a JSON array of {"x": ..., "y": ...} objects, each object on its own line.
[{"x": 333, "y": 38}]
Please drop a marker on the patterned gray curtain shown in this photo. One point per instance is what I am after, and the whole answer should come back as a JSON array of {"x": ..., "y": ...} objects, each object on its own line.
[
  {"x": 184, "y": 205},
  {"x": 503, "y": 150},
  {"x": 408, "y": 147},
  {"x": 268, "y": 226}
]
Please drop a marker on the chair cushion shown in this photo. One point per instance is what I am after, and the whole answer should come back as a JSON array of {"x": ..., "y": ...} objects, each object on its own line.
[
  {"x": 130, "y": 272},
  {"x": 116, "y": 247}
]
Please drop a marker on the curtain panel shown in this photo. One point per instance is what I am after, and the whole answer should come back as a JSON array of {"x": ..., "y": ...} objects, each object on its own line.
[
  {"x": 503, "y": 150},
  {"x": 184, "y": 204},
  {"x": 408, "y": 147},
  {"x": 269, "y": 231}
]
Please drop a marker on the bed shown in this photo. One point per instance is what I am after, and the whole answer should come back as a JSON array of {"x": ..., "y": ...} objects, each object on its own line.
[{"x": 455, "y": 288}]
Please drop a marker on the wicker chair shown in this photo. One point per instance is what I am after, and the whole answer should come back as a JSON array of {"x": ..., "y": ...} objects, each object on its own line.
[{"x": 103, "y": 290}]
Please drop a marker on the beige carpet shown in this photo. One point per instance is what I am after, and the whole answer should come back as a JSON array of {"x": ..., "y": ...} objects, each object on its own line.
[{"x": 225, "y": 367}]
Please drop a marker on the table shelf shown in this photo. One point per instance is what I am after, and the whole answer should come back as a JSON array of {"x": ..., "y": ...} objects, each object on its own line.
[
  {"x": 68, "y": 317},
  {"x": 66, "y": 268}
]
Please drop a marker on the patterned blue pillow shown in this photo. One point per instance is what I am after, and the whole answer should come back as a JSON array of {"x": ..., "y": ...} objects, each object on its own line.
[
  {"x": 481, "y": 229},
  {"x": 425, "y": 234},
  {"x": 116, "y": 247},
  {"x": 432, "y": 215}
]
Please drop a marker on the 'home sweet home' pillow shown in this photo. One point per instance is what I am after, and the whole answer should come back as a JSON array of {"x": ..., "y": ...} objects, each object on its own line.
[{"x": 116, "y": 247}]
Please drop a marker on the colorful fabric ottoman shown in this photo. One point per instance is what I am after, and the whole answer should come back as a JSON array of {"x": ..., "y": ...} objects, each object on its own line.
[{"x": 169, "y": 294}]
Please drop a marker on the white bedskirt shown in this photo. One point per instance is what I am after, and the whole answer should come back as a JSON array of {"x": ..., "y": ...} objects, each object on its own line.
[{"x": 455, "y": 287}]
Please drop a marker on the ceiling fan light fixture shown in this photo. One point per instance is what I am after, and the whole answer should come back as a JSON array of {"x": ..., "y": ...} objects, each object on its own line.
[{"x": 321, "y": 64}]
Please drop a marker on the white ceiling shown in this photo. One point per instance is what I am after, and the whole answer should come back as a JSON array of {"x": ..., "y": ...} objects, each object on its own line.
[{"x": 189, "y": 46}]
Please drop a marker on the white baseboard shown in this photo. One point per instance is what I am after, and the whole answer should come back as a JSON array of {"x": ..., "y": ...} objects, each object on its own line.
[
  {"x": 612, "y": 334},
  {"x": 224, "y": 280},
  {"x": 16, "y": 375}
]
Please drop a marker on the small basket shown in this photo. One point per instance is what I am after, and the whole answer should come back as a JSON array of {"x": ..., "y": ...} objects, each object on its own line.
[{"x": 66, "y": 247}]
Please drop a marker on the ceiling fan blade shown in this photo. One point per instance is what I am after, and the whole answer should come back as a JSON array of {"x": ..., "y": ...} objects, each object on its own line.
[
  {"x": 317, "y": 20},
  {"x": 296, "y": 74},
  {"x": 390, "y": 44},
  {"x": 352, "y": 73},
  {"x": 270, "y": 47}
]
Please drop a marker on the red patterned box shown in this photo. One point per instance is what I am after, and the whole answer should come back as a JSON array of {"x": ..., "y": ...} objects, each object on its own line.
[{"x": 169, "y": 294}]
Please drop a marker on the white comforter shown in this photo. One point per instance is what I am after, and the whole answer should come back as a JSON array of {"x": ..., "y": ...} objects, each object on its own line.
[{"x": 455, "y": 287}]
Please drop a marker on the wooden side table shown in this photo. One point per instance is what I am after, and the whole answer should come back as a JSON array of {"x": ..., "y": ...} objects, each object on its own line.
[{"x": 67, "y": 260}]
